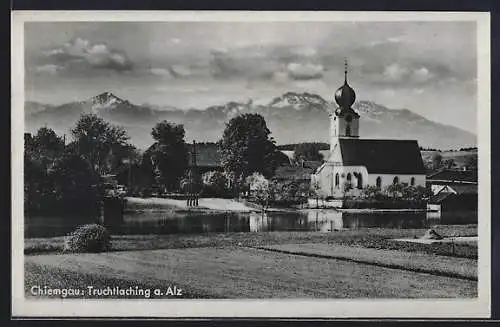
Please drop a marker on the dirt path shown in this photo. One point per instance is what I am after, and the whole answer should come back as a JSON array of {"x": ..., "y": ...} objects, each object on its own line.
[{"x": 251, "y": 273}]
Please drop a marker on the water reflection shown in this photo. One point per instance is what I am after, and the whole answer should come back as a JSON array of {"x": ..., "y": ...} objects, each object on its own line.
[{"x": 196, "y": 223}]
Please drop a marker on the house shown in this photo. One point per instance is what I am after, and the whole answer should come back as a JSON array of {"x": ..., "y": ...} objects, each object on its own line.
[
  {"x": 457, "y": 204},
  {"x": 355, "y": 163},
  {"x": 451, "y": 177},
  {"x": 208, "y": 157},
  {"x": 455, "y": 195}
]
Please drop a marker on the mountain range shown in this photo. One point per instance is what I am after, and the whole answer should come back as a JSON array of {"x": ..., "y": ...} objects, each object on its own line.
[{"x": 291, "y": 117}]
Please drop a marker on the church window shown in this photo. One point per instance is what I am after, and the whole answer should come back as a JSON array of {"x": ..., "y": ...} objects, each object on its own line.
[
  {"x": 337, "y": 179},
  {"x": 348, "y": 130},
  {"x": 349, "y": 178},
  {"x": 360, "y": 181},
  {"x": 412, "y": 181},
  {"x": 379, "y": 182},
  {"x": 396, "y": 180}
]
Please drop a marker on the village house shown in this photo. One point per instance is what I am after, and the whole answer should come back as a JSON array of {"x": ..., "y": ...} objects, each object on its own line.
[
  {"x": 447, "y": 179},
  {"x": 455, "y": 194},
  {"x": 354, "y": 162},
  {"x": 207, "y": 157}
]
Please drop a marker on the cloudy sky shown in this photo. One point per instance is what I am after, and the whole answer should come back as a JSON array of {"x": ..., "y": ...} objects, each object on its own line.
[{"x": 427, "y": 67}]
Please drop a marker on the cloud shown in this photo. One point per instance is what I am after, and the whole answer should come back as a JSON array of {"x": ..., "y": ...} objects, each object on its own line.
[
  {"x": 422, "y": 74},
  {"x": 83, "y": 52},
  {"x": 180, "y": 71},
  {"x": 305, "y": 51},
  {"x": 48, "y": 69},
  {"x": 395, "y": 72},
  {"x": 412, "y": 74},
  {"x": 305, "y": 71},
  {"x": 160, "y": 72}
]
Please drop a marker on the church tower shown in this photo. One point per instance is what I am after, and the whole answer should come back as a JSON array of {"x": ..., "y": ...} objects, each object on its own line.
[{"x": 344, "y": 121}]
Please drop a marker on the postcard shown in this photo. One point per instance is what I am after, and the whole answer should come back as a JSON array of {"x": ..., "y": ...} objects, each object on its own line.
[{"x": 197, "y": 164}]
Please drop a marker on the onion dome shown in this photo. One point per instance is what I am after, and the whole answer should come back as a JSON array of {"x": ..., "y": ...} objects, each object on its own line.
[{"x": 345, "y": 95}]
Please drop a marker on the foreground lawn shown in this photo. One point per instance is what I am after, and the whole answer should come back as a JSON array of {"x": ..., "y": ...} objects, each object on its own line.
[
  {"x": 65, "y": 278},
  {"x": 413, "y": 261},
  {"x": 378, "y": 238},
  {"x": 236, "y": 272}
]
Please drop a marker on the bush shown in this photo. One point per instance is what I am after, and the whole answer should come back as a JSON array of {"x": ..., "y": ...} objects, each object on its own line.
[{"x": 88, "y": 238}]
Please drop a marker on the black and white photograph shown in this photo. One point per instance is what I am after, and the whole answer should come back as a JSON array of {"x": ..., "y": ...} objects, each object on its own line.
[{"x": 291, "y": 164}]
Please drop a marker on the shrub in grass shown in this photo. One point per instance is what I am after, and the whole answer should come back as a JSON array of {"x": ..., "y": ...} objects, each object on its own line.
[{"x": 88, "y": 238}]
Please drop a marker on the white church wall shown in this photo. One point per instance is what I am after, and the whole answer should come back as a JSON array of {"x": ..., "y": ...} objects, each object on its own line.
[
  {"x": 325, "y": 178},
  {"x": 344, "y": 171},
  {"x": 388, "y": 179},
  {"x": 338, "y": 127}
]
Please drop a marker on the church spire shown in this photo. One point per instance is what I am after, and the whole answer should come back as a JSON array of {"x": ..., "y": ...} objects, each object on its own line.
[
  {"x": 345, "y": 95},
  {"x": 345, "y": 71}
]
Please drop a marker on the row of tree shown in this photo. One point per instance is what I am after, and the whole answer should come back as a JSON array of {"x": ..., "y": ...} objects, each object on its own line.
[
  {"x": 67, "y": 177},
  {"x": 438, "y": 162}
]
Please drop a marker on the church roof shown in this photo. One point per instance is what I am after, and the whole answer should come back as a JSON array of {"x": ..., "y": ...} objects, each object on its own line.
[{"x": 383, "y": 156}]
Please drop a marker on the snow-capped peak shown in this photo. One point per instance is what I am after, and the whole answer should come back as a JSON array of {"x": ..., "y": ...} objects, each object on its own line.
[
  {"x": 105, "y": 100},
  {"x": 298, "y": 100}
]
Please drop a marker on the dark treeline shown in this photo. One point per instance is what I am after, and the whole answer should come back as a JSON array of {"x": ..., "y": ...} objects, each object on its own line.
[
  {"x": 449, "y": 150},
  {"x": 321, "y": 146},
  {"x": 74, "y": 178}
]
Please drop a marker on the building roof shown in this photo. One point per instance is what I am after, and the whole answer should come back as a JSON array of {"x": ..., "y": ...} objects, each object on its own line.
[
  {"x": 453, "y": 175},
  {"x": 207, "y": 155},
  {"x": 460, "y": 189},
  {"x": 293, "y": 172},
  {"x": 383, "y": 156},
  {"x": 440, "y": 197}
]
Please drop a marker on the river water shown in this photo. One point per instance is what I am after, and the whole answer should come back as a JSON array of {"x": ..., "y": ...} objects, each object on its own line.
[{"x": 151, "y": 222}]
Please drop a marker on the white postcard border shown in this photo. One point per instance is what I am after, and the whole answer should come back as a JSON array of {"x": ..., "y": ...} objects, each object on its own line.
[{"x": 400, "y": 308}]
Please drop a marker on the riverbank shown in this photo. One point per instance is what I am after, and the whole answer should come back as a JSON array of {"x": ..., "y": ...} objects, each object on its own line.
[{"x": 204, "y": 204}]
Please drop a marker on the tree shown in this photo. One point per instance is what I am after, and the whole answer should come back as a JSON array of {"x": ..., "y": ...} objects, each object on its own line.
[
  {"x": 75, "y": 184},
  {"x": 47, "y": 143},
  {"x": 41, "y": 151},
  {"x": 395, "y": 189},
  {"x": 347, "y": 187},
  {"x": 471, "y": 161},
  {"x": 169, "y": 154},
  {"x": 422, "y": 193},
  {"x": 259, "y": 188},
  {"x": 371, "y": 192},
  {"x": 436, "y": 160},
  {"x": 96, "y": 140},
  {"x": 315, "y": 190},
  {"x": 246, "y": 147},
  {"x": 214, "y": 183},
  {"x": 308, "y": 152}
]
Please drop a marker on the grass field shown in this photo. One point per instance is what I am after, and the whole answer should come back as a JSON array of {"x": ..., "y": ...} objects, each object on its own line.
[
  {"x": 235, "y": 272},
  {"x": 412, "y": 261},
  {"x": 378, "y": 238}
]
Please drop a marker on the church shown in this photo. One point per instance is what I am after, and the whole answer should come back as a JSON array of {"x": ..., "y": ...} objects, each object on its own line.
[{"x": 355, "y": 163}]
